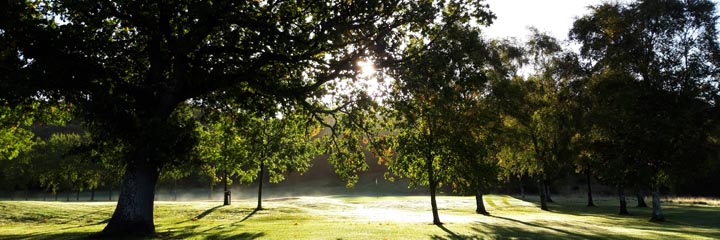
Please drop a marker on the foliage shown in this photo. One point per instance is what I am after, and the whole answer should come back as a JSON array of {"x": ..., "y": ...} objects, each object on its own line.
[
  {"x": 654, "y": 87},
  {"x": 429, "y": 86},
  {"x": 539, "y": 116},
  {"x": 282, "y": 143},
  {"x": 222, "y": 148}
]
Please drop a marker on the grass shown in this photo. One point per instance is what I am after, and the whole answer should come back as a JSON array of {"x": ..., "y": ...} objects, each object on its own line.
[{"x": 353, "y": 217}]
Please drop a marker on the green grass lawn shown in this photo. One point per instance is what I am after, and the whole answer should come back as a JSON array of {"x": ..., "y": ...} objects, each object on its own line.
[{"x": 352, "y": 217}]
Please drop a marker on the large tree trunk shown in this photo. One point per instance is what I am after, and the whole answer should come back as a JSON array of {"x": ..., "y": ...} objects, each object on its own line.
[
  {"x": 433, "y": 188},
  {"x": 226, "y": 195},
  {"x": 134, "y": 212},
  {"x": 640, "y": 198},
  {"x": 260, "y": 183},
  {"x": 623, "y": 202},
  {"x": 657, "y": 215},
  {"x": 479, "y": 203},
  {"x": 543, "y": 199},
  {"x": 589, "y": 187}
]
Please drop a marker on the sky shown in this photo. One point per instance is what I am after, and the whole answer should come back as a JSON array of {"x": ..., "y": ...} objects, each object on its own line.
[{"x": 553, "y": 16}]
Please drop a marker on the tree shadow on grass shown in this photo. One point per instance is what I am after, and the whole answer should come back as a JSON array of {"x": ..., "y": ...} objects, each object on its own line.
[
  {"x": 203, "y": 214},
  {"x": 491, "y": 231},
  {"x": 451, "y": 235},
  {"x": 87, "y": 225},
  {"x": 680, "y": 219},
  {"x": 235, "y": 236},
  {"x": 568, "y": 233},
  {"x": 207, "y": 212},
  {"x": 219, "y": 232},
  {"x": 48, "y": 235},
  {"x": 83, "y": 216},
  {"x": 246, "y": 217}
]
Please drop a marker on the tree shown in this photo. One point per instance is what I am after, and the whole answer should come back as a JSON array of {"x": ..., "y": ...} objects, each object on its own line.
[
  {"x": 17, "y": 120},
  {"x": 474, "y": 147},
  {"x": 127, "y": 66},
  {"x": 59, "y": 164},
  {"x": 475, "y": 136},
  {"x": 539, "y": 117},
  {"x": 428, "y": 87},
  {"x": 667, "y": 51},
  {"x": 222, "y": 147},
  {"x": 279, "y": 144}
]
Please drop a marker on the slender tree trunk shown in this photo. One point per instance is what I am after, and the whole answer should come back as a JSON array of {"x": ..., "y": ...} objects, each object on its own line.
[
  {"x": 134, "y": 212},
  {"x": 174, "y": 189},
  {"x": 56, "y": 197},
  {"x": 623, "y": 202},
  {"x": 92, "y": 194},
  {"x": 433, "y": 188},
  {"x": 260, "y": 183},
  {"x": 547, "y": 192},
  {"x": 543, "y": 199},
  {"x": 44, "y": 196},
  {"x": 640, "y": 198},
  {"x": 210, "y": 190},
  {"x": 522, "y": 187},
  {"x": 657, "y": 214},
  {"x": 110, "y": 193},
  {"x": 589, "y": 187},
  {"x": 226, "y": 195},
  {"x": 508, "y": 186},
  {"x": 67, "y": 196},
  {"x": 77, "y": 195}
]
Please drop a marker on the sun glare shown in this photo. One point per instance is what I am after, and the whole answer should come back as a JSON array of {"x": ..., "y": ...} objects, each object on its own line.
[{"x": 367, "y": 68}]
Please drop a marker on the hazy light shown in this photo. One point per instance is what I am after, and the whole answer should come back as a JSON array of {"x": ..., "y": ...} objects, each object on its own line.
[{"x": 367, "y": 68}]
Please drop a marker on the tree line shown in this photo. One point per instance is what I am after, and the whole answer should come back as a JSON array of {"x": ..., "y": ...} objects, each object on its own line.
[{"x": 238, "y": 90}]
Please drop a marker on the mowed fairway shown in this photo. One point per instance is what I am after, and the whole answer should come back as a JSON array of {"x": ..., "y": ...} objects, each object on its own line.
[{"x": 352, "y": 217}]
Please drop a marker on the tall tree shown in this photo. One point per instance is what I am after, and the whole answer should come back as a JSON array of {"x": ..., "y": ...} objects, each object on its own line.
[
  {"x": 127, "y": 66},
  {"x": 538, "y": 115},
  {"x": 477, "y": 129},
  {"x": 473, "y": 148},
  {"x": 278, "y": 145},
  {"x": 667, "y": 51},
  {"x": 59, "y": 164},
  {"x": 429, "y": 84},
  {"x": 222, "y": 147}
]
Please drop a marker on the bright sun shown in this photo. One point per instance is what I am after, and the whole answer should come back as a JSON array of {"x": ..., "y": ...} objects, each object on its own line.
[{"x": 367, "y": 68}]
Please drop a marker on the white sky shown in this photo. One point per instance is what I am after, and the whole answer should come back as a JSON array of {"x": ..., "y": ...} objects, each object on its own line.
[{"x": 553, "y": 16}]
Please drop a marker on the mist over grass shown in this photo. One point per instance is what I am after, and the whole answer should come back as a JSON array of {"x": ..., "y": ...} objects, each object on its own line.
[{"x": 368, "y": 217}]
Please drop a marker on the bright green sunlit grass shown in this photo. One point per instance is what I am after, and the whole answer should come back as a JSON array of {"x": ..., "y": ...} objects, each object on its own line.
[{"x": 352, "y": 217}]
